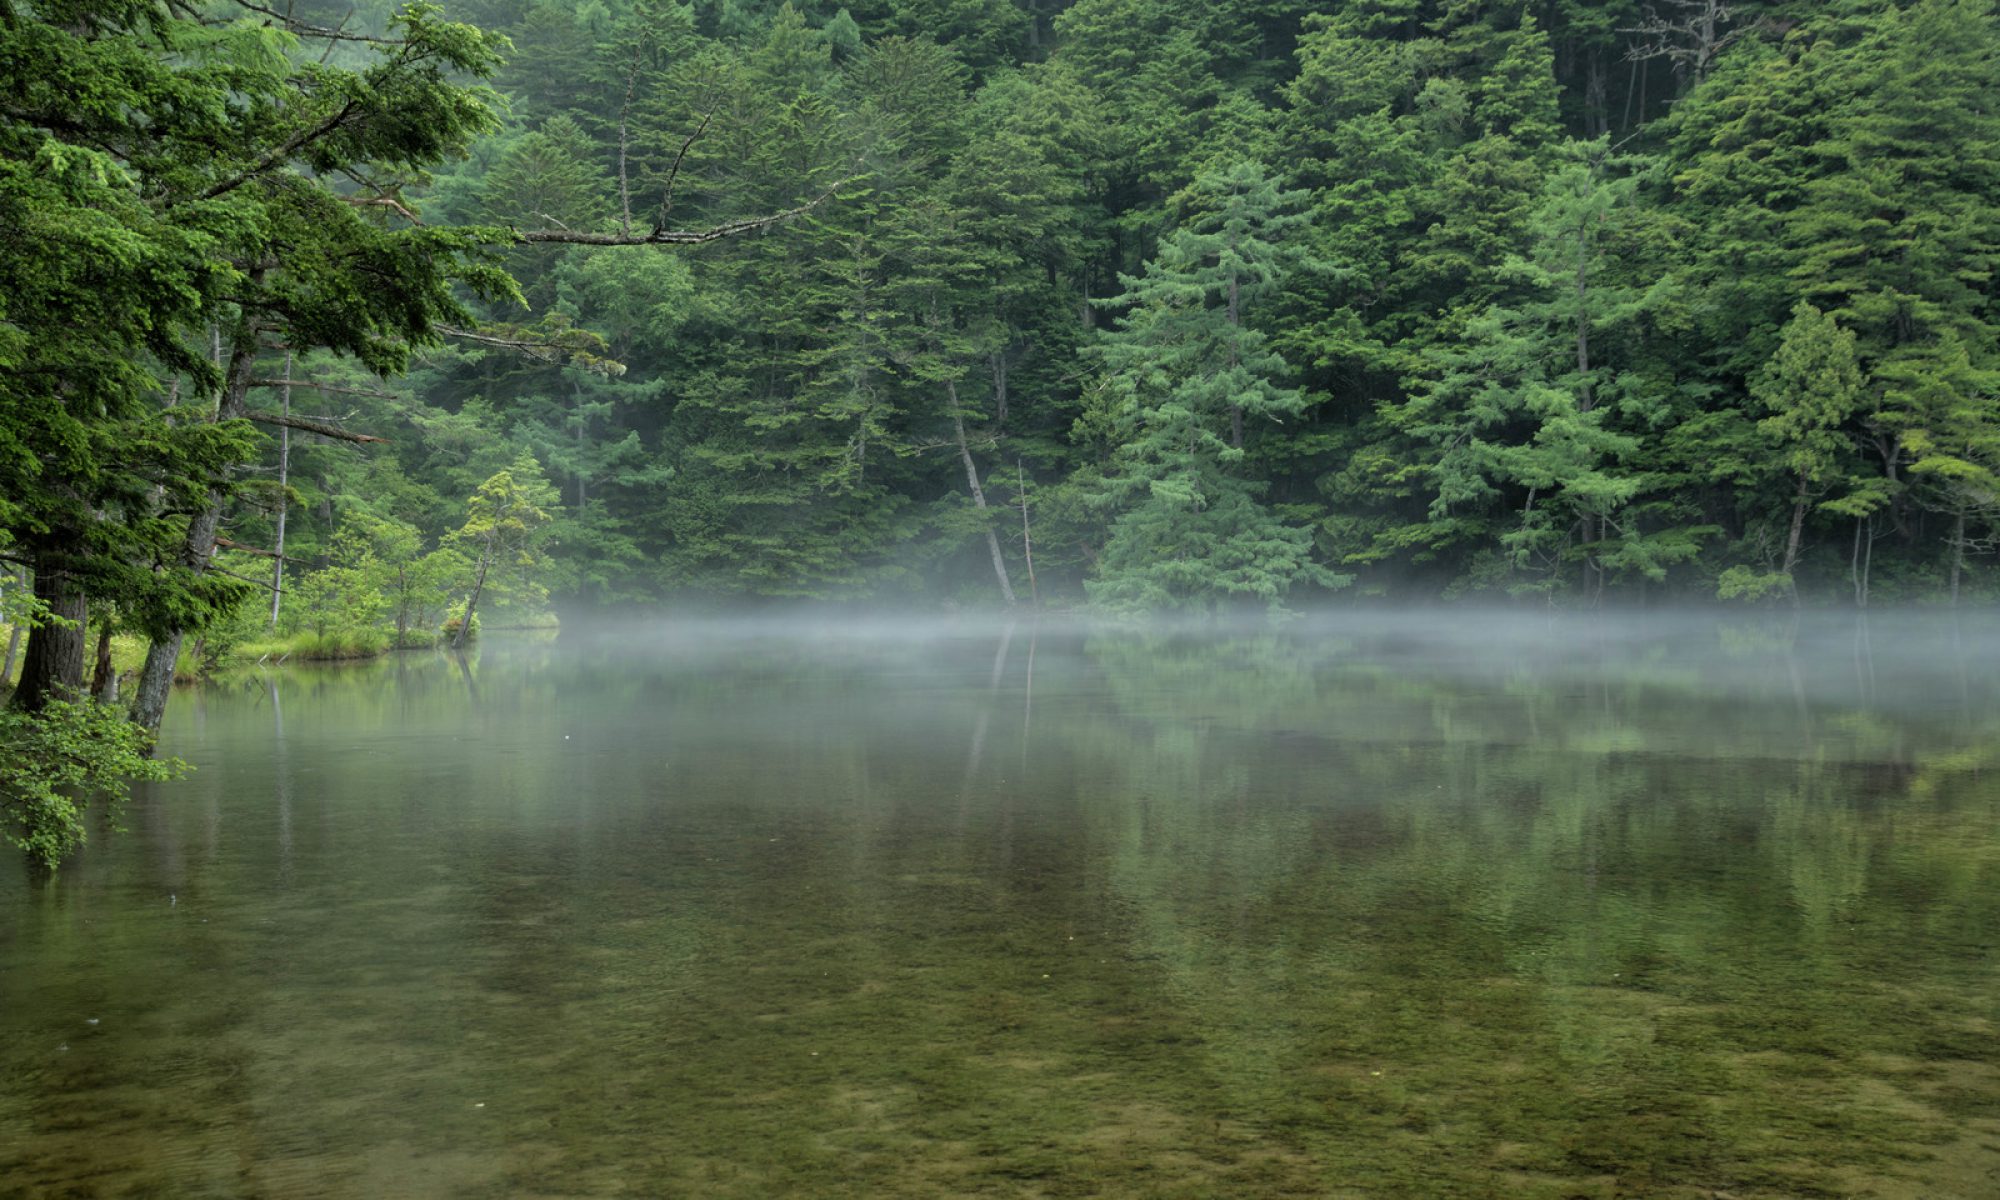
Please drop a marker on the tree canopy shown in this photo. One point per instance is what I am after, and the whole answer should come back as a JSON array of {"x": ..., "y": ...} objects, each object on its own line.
[{"x": 1252, "y": 303}]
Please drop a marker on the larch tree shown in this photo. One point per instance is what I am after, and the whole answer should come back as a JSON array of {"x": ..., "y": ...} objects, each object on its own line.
[
  {"x": 1810, "y": 388},
  {"x": 504, "y": 539}
]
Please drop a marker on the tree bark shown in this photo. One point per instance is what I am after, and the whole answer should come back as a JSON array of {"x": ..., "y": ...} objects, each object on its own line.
[
  {"x": 322, "y": 428},
  {"x": 1867, "y": 561},
  {"x": 1854, "y": 564},
  {"x": 979, "y": 497},
  {"x": 13, "y": 640},
  {"x": 472, "y": 601},
  {"x": 103, "y": 685},
  {"x": 156, "y": 678},
  {"x": 1027, "y": 540},
  {"x": 624, "y": 144},
  {"x": 576, "y": 410},
  {"x": 1597, "y": 111},
  {"x": 999, "y": 361},
  {"x": 52, "y": 669},
  {"x": 1235, "y": 321},
  {"x": 284, "y": 500},
  {"x": 1792, "y": 542},
  {"x": 1957, "y": 554}
]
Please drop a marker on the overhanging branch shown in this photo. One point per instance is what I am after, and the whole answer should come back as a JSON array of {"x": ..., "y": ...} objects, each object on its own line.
[{"x": 283, "y": 152}]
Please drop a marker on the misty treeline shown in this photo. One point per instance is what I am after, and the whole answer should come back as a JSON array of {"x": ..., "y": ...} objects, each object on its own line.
[
  {"x": 1195, "y": 303},
  {"x": 1155, "y": 304}
]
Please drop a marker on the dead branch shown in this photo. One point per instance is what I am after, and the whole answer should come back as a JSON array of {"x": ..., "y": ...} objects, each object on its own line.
[
  {"x": 324, "y": 387},
  {"x": 306, "y": 30},
  {"x": 387, "y": 202},
  {"x": 676, "y": 237},
  {"x": 542, "y": 351},
  {"x": 225, "y": 544},
  {"x": 262, "y": 583},
  {"x": 311, "y": 426},
  {"x": 674, "y": 173}
]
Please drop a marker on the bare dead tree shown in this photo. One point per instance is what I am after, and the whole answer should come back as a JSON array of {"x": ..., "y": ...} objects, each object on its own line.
[{"x": 1687, "y": 33}]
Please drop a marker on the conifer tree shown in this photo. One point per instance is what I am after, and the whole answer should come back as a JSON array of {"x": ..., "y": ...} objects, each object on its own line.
[
  {"x": 1810, "y": 388},
  {"x": 1184, "y": 371}
]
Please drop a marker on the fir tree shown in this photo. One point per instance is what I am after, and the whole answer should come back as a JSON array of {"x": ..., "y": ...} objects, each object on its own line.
[{"x": 1184, "y": 372}]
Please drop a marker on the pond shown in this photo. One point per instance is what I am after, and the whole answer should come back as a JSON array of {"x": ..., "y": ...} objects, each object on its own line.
[{"x": 1451, "y": 903}]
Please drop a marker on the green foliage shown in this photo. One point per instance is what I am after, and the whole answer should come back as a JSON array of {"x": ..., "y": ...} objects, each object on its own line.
[
  {"x": 1521, "y": 327},
  {"x": 1184, "y": 373},
  {"x": 63, "y": 760},
  {"x": 505, "y": 538},
  {"x": 1810, "y": 387}
]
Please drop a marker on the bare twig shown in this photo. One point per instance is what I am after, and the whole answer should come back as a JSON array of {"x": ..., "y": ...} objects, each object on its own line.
[{"x": 674, "y": 173}]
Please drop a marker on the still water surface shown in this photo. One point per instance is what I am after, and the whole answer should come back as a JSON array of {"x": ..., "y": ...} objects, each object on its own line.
[{"x": 1355, "y": 908}]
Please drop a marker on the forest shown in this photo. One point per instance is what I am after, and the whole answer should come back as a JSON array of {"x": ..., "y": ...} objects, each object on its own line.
[
  {"x": 333, "y": 322},
  {"x": 1169, "y": 598}
]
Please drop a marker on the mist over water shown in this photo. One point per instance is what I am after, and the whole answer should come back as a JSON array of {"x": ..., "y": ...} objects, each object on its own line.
[{"x": 1444, "y": 901}]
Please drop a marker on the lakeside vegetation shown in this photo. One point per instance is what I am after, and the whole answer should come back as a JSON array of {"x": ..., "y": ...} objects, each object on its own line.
[{"x": 1150, "y": 305}]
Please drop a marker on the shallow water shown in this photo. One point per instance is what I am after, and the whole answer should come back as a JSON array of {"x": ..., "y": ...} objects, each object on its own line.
[{"x": 1447, "y": 905}]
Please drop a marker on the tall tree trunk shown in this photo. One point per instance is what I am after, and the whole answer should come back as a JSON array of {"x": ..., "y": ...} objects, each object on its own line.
[
  {"x": 1957, "y": 553},
  {"x": 1027, "y": 539},
  {"x": 624, "y": 146},
  {"x": 576, "y": 411},
  {"x": 103, "y": 684},
  {"x": 1867, "y": 561},
  {"x": 1854, "y": 564},
  {"x": 1711, "y": 11},
  {"x": 1792, "y": 542},
  {"x": 1631, "y": 89},
  {"x": 472, "y": 601},
  {"x": 156, "y": 678},
  {"x": 1235, "y": 321},
  {"x": 1588, "y": 399},
  {"x": 998, "y": 359},
  {"x": 13, "y": 640},
  {"x": 52, "y": 669},
  {"x": 402, "y": 607},
  {"x": 1597, "y": 113},
  {"x": 284, "y": 499},
  {"x": 979, "y": 497}
]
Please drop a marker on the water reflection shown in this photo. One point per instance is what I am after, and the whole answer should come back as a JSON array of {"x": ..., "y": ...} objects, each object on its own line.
[{"x": 1590, "y": 909}]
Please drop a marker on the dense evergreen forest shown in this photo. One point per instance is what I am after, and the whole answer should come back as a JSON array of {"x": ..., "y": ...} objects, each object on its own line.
[{"x": 1150, "y": 304}]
